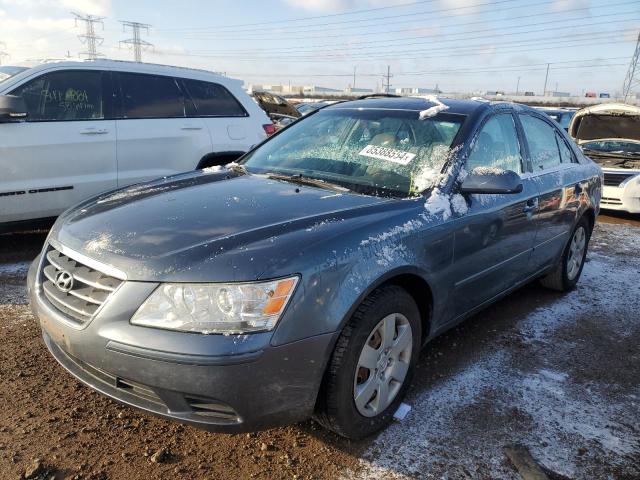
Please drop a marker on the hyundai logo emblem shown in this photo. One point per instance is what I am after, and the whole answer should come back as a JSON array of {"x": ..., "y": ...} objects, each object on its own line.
[{"x": 64, "y": 281}]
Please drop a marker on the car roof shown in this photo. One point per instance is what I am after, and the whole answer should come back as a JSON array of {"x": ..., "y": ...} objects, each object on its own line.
[{"x": 417, "y": 104}]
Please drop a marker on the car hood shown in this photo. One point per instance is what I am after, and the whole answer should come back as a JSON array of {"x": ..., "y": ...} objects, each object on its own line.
[
  {"x": 609, "y": 121},
  {"x": 161, "y": 230}
]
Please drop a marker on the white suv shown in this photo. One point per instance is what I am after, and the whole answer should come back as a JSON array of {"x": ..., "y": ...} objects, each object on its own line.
[{"x": 99, "y": 125}]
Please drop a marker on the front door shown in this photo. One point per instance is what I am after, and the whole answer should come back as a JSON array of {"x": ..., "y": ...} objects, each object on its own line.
[
  {"x": 493, "y": 240},
  {"x": 66, "y": 150}
]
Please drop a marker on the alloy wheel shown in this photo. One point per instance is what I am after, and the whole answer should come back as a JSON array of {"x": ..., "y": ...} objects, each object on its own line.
[{"x": 576, "y": 252}]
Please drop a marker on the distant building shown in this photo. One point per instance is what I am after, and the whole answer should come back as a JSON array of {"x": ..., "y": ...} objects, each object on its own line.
[
  {"x": 406, "y": 91},
  {"x": 358, "y": 91},
  {"x": 550, "y": 93}
]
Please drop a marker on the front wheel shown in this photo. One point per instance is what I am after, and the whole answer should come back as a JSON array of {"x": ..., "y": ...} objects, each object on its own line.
[
  {"x": 567, "y": 273},
  {"x": 372, "y": 364}
]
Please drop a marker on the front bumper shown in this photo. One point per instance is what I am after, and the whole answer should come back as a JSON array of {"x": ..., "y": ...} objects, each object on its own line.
[
  {"x": 214, "y": 382},
  {"x": 625, "y": 197}
]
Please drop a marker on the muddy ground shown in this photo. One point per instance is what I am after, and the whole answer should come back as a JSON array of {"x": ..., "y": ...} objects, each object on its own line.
[{"x": 558, "y": 374}]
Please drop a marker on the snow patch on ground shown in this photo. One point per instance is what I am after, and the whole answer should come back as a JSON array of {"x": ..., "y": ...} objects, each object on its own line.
[
  {"x": 12, "y": 269},
  {"x": 510, "y": 395}
]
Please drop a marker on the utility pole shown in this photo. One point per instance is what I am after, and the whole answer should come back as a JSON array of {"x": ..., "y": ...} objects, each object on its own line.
[
  {"x": 136, "y": 42},
  {"x": 546, "y": 78},
  {"x": 632, "y": 80},
  {"x": 3, "y": 53},
  {"x": 353, "y": 86},
  {"x": 90, "y": 38},
  {"x": 518, "y": 87},
  {"x": 387, "y": 85}
]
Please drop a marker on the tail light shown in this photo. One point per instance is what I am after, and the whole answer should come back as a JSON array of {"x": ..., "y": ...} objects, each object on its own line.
[{"x": 269, "y": 129}]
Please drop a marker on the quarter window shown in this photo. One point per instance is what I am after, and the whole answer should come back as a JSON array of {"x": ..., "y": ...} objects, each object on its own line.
[
  {"x": 63, "y": 96},
  {"x": 213, "y": 100},
  {"x": 497, "y": 145},
  {"x": 151, "y": 96},
  {"x": 543, "y": 147}
]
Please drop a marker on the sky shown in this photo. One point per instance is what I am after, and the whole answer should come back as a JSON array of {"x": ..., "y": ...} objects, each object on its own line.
[{"x": 457, "y": 45}]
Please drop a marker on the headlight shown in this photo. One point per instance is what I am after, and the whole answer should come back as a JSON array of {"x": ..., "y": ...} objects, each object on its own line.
[{"x": 227, "y": 308}]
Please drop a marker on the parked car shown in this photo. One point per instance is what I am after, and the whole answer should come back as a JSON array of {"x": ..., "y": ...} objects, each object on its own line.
[
  {"x": 306, "y": 278},
  {"x": 605, "y": 95},
  {"x": 562, "y": 116},
  {"x": 8, "y": 71},
  {"x": 590, "y": 95},
  {"x": 70, "y": 130},
  {"x": 307, "y": 107},
  {"x": 279, "y": 110},
  {"x": 610, "y": 135}
]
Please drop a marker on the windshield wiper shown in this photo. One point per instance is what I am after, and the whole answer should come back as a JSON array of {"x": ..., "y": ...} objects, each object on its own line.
[{"x": 313, "y": 182}]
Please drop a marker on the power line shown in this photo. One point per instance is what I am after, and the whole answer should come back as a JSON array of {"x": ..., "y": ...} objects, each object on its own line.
[
  {"x": 351, "y": 44},
  {"x": 136, "y": 42},
  {"x": 632, "y": 80},
  {"x": 89, "y": 37}
]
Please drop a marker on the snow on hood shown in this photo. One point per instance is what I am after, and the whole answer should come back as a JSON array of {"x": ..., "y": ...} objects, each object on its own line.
[{"x": 606, "y": 121}]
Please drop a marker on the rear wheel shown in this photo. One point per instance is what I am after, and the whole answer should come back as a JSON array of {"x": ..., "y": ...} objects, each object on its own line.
[
  {"x": 567, "y": 273},
  {"x": 372, "y": 364}
]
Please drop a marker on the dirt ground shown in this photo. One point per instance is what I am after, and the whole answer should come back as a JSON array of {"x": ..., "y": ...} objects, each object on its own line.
[{"x": 558, "y": 374}]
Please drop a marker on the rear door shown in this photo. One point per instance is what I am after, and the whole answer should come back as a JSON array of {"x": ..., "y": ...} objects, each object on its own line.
[
  {"x": 227, "y": 122},
  {"x": 65, "y": 152},
  {"x": 155, "y": 137},
  {"x": 557, "y": 178},
  {"x": 493, "y": 240}
]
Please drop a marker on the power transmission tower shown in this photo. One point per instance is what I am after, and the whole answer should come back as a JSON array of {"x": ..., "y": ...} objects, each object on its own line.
[
  {"x": 387, "y": 85},
  {"x": 3, "y": 53},
  {"x": 136, "y": 42},
  {"x": 632, "y": 80},
  {"x": 90, "y": 38}
]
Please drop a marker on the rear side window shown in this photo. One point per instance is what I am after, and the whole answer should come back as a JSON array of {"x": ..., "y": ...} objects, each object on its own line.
[
  {"x": 565, "y": 151},
  {"x": 497, "y": 145},
  {"x": 541, "y": 138},
  {"x": 151, "y": 96},
  {"x": 63, "y": 96},
  {"x": 213, "y": 100}
]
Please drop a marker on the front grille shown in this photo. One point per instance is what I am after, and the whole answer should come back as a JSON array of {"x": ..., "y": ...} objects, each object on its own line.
[
  {"x": 610, "y": 201},
  {"x": 81, "y": 297},
  {"x": 615, "y": 179}
]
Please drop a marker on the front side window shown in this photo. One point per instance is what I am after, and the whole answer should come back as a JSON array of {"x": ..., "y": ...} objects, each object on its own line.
[
  {"x": 380, "y": 152},
  {"x": 541, "y": 138},
  {"x": 151, "y": 96},
  {"x": 213, "y": 100},
  {"x": 63, "y": 96},
  {"x": 497, "y": 145}
]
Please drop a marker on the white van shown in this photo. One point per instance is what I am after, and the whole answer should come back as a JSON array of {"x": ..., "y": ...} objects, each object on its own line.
[{"x": 70, "y": 130}]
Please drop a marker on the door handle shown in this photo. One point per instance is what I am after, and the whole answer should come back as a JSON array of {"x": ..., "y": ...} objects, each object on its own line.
[
  {"x": 191, "y": 127},
  {"x": 531, "y": 205},
  {"x": 94, "y": 131}
]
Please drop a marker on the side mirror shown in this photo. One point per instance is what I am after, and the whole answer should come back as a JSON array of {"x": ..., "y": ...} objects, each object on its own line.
[
  {"x": 12, "y": 108},
  {"x": 488, "y": 180}
]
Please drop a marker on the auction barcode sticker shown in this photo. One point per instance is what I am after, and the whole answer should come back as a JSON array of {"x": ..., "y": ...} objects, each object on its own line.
[{"x": 389, "y": 154}]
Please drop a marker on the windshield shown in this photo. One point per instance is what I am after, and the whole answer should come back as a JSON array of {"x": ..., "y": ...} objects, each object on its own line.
[
  {"x": 613, "y": 146},
  {"x": 380, "y": 152},
  {"x": 8, "y": 72}
]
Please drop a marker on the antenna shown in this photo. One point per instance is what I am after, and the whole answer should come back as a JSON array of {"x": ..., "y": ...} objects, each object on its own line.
[
  {"x": 136, "y": 42},
  {"x": 632, "y": 80},
  {"x": 90, "y": 38}
]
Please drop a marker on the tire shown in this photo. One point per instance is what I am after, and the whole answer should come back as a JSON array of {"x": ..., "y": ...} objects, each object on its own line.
[
  {"x": 338, "y": 410},
  {"x": 566, "y": 274}
]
